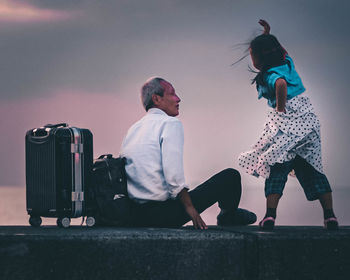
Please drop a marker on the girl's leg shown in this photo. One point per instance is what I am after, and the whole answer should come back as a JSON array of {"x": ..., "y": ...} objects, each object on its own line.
[
  {"x": 316, "y": 186},
  {"x": 271, "y": 205},
  {"x": 326, "y": 201},
  {"x": 330, "y": 221},
  {"x": 274, "y": 186}
]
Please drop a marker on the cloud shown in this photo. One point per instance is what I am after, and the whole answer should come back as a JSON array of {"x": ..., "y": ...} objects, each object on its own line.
[
  {"x": 111, "y": 41},
  {"x": 97, "y": 51},
  {"x": 13, "y": 11}
]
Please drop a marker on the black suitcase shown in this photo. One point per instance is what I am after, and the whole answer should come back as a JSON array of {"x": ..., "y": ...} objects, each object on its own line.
[{"x": 59, "y": 162}]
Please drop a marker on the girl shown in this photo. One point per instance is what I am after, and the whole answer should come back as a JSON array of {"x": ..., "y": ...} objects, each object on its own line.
[{"x": 291, "y": 136}]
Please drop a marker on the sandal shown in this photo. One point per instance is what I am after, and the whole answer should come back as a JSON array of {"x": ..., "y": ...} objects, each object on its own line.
[
  {"x": 331, "y": 223},
  {"x": 267, "y": 223}
]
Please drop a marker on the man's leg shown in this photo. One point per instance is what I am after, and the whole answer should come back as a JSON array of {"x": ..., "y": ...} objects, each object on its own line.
[
  {"x": 158, "y": 213},
  {"x": 224, "y": 188}
]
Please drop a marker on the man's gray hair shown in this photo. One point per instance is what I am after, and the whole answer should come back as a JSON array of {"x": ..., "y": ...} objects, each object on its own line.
[{"x": 152, "y": 86}]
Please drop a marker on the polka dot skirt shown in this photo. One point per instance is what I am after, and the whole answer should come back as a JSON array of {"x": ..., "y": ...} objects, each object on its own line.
[{"x": 285, "y": 135}]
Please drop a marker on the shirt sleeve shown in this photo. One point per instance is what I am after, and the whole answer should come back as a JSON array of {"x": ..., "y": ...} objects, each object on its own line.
[
  {"x": 271, "y": 81},
  {"x": 172, "y": 142}
]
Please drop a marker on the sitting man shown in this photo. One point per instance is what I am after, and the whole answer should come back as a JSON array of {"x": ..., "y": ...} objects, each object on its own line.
[{"x": 153, "y": 148}]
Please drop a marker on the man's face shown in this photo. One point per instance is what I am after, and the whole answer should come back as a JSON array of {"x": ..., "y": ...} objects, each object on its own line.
[{"x": 169, "y": 102}]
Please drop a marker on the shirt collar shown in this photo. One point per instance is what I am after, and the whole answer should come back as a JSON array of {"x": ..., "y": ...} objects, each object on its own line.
[{"x": 156, "y": 111}]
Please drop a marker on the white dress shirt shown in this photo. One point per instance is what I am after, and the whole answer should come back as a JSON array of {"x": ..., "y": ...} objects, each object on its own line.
[{"x": 153, "y": 148}]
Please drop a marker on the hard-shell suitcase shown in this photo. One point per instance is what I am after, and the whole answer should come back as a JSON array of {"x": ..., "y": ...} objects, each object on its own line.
[{"x": 59, "y": 162}]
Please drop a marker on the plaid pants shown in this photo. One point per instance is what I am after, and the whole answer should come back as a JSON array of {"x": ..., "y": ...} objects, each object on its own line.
[{"x": 313, "y": 182}]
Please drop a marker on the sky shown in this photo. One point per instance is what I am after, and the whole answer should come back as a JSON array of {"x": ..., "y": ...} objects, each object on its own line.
[{"x": 84, "y": 62}]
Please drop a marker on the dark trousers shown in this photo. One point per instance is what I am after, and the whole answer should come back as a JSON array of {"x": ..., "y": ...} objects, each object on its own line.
[{"x": 224, "y": 188}]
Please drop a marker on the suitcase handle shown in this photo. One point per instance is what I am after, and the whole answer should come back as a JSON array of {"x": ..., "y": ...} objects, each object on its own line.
[
  {"x": 56, "y": 125},
  {"x": 40, "y": 134},
  {"x": 109, "y": 156}
]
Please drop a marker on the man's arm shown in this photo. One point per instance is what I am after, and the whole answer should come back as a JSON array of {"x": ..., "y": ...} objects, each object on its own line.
[
  {"x": 191, "y": 211},
  {"x": 172, "y": 141}
]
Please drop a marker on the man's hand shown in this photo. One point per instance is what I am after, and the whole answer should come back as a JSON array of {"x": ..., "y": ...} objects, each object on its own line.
[
  {"x": 198, "y": 223},
  {"x": 185, "y": 198},
  {"x": 266, "y": 26}
]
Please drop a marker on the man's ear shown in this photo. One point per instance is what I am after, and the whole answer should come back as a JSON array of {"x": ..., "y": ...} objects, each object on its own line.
[{"x": 156, "y": 99}]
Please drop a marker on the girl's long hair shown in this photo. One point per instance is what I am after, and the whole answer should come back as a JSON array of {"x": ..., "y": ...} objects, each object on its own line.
[{"x": 269, "y": 53}]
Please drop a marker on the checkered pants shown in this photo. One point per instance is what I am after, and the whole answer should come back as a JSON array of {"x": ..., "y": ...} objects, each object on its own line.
[{"x": 313, "y": 182}]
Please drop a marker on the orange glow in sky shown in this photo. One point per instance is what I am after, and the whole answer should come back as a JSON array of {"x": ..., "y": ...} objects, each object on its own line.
[{"x": 20, "y": 12}]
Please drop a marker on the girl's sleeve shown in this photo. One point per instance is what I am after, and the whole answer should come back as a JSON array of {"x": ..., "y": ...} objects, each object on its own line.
[
  {"x": 281, "y": 72},
  {"x": 271, "y": 80}
]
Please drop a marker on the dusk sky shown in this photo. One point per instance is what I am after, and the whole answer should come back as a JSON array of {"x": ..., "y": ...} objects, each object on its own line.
[{"x": 83, "y": 62}]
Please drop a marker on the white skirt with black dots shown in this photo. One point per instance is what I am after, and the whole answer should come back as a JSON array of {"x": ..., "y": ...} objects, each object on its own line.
[{"x": 285, "y": 135}]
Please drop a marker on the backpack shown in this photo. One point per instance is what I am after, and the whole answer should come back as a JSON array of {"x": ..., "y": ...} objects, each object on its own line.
[{"x": 110, "y": 191}]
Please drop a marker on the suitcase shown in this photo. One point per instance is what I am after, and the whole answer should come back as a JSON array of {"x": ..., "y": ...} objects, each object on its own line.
[{"x": 59, "y": 162}]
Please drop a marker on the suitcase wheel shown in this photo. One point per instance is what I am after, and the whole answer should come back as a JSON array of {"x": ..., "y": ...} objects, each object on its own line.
[
  {"x": 63, "y": 222},
  {"x": 90, "y": 221},
  {"x": 35, "y": 221}
]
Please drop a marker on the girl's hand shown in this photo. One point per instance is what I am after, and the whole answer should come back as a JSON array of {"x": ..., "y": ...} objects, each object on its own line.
[{"x": 266, "y": 26}]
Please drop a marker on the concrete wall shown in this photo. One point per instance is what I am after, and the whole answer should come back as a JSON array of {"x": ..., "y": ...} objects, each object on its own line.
[{"x": 217, "y": 253}]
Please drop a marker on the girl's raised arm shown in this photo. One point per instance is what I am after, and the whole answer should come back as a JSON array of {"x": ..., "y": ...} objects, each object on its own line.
[
  {"x": 281, "y": 95},
  {"x": 266, "y": 26}
]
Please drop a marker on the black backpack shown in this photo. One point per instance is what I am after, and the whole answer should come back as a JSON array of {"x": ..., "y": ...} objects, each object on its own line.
[{"x": 110, "y": 191}]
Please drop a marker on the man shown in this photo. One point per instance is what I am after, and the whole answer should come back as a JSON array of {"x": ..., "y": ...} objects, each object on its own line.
[{"x": 153, "y": 148}]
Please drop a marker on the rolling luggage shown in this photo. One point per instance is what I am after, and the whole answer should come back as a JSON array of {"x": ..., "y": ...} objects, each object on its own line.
[{"x": 59, "y": 162}]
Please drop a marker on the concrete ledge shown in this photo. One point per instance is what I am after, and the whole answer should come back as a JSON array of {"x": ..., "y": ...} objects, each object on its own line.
[
  {"x": 131, "y": 253},
  {"x": 309, "y": 253}
]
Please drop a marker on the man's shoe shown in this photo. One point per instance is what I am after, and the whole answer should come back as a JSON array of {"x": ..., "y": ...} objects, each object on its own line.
[{"x": 240, "y": 217}]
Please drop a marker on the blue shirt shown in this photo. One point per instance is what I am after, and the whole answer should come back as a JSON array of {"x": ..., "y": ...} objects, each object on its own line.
[{"x": 289, "y": 74}]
